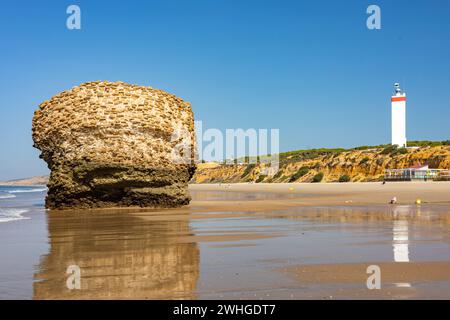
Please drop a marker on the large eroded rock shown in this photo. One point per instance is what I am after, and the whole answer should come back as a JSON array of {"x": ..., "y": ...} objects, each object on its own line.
[{"x": 115, "y": 144}]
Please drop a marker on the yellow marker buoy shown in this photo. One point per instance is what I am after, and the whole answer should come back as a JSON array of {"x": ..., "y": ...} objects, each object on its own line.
[{"x": 291, "y": 189}]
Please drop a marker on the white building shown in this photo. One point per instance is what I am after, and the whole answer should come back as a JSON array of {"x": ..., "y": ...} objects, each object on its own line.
[
  {"x": 419, "y": 172},
  {"x": 398, "y": 117}
]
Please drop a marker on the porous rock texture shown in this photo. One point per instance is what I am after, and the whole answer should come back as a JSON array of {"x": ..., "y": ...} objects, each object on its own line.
[{"x": 115, "y": 144}]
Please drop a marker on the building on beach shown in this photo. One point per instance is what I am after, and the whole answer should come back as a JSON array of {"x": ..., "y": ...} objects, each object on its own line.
[{"x": 417, "y": 173}]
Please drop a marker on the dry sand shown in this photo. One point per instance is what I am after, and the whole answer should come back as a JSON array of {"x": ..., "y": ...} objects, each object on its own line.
[{"x": 368, "y": 193}]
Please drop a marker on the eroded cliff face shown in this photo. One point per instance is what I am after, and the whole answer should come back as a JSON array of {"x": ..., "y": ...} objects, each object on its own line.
[
  {"x": 366, "y": 165},
  {"x": 115, "y": 144}
]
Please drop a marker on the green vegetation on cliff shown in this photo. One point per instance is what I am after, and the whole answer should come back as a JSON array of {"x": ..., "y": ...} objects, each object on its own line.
[
  {"x": 318, "y": 177},
  {"x": 366, "y": 163},
  {"x": 300, "y": 173},
  {"x": 344, "y": 178}
]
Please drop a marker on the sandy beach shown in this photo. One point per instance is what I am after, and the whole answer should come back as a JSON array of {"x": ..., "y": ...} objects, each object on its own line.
[
  {"x": 367, "y": 193},
  {"x": 238, "y": 241}
]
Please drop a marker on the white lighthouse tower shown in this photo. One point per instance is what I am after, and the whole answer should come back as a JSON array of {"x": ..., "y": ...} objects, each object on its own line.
[{"x": 398, "y": 117}]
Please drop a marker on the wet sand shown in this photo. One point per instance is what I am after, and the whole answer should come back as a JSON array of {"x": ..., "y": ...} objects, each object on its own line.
[{"x": 259, "y": 241}]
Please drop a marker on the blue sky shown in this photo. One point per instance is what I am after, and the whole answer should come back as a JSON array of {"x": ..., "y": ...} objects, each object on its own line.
[{"x": 310, "y": 68}]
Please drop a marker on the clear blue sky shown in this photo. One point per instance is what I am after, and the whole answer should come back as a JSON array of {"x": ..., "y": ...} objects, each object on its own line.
[{"x": 310, "y": 68}]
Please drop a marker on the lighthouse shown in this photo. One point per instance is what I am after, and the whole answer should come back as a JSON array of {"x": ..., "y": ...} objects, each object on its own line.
[{"x": 398, "y": 117}]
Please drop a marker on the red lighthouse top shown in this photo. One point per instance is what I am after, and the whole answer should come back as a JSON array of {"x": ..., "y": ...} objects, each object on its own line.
[{"x": 398, "y": 98}]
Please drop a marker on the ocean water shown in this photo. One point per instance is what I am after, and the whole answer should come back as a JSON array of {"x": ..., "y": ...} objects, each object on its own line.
[
  {"x": 17, "y": 203},
  {"x": 23, "y": 239}
]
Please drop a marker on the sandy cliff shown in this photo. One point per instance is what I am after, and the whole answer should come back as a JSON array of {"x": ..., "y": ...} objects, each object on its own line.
[
  {"x": 38, "y": 180},
  {"x": 358, "y": 165}
]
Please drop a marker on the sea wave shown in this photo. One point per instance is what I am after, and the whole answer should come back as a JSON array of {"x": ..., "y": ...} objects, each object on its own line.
[
  {"x": 12, "y": 214},
  {"x": 6, "y": 196},
  {"x": 27, "y": 190}
]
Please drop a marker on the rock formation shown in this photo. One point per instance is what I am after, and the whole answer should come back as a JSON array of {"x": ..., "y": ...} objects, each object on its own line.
[{"x": 115, "y": 144}]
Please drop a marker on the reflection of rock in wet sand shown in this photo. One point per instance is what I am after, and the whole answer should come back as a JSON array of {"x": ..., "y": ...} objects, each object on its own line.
[{"x": 120, "y": 256}]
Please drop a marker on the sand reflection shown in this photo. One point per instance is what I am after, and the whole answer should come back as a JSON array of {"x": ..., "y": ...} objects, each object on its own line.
[
  {"x": 400, "y": 241},
  {"x": 121, "y": 256},
  {"x": 246, "y": 241}
]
